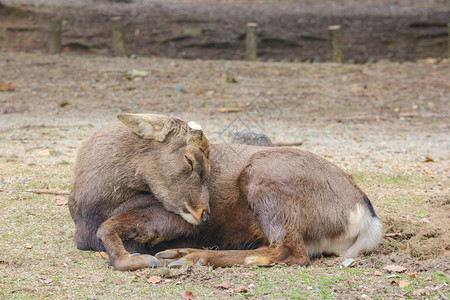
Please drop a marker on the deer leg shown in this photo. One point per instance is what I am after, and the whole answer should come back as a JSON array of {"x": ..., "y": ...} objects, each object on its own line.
[
  {"x": 263, "y": 256},
  {"x": 148, "y": 226}
]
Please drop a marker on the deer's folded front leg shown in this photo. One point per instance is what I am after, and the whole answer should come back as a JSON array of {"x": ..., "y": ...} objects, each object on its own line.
[
  {"x": 146, "y": 227},
  {"x": 263, "y": 256}
]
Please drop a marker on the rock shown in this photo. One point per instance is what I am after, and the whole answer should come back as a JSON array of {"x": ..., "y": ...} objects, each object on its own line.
[
  {"x": 251, "y": 138},
  {"x": 348, "y": 263},
  {"x": 179, "y": 89},
  {"x": 138, "y": 73}
]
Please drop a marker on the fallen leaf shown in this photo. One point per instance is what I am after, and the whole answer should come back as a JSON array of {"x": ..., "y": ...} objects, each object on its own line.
[
  {"x": 224, "y": 285},
  {"x": 394, "y": 268},
  {"x": 154, "y": 279},
  {"x": 28, "y": 246},
  {"x": 7, "y": 87},
  {"x": 102, "y": 254},
  {"x": 426, "y": 158},
  {"x": 96, "y": 278},
  {"x": 356, "y": 89},
  {"x": 420, "y": 292},
  {"x": 377, "y": 273},
  {"x": 230, "y": 109},
  {"x": 187, "y": 295},
  {"x": 358, "y": 140},
  {"x": 240, "y": 289},
  {"x": 231, "y": 80},
  {"x": 46, "y": 281},
  {"x": 414, "y": 275},
  {"x": 403, "y": 283},
  {"x": 60, "y": 200},
  {"x": 118, "y": 281},
  {"x": 44, "y": 152},
  {"x": 63, "y": 104}
]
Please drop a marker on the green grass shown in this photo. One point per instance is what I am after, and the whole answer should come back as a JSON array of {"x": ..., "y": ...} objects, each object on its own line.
[{"x": 382, "y": 178}]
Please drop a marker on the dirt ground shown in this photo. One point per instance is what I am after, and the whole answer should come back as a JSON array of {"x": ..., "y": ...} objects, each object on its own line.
[
  {"x": 288, "y": 30},
  {"x": 386, "y": 123}
]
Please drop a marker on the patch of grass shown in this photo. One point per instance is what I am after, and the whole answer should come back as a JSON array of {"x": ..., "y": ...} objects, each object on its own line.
[{"x": 397, "y": 179}]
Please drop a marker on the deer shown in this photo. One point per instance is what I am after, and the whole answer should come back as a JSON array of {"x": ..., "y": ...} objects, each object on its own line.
[{"x": 152, "y": 191}]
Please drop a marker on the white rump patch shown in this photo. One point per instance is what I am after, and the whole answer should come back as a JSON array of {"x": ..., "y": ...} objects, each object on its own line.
[
  {"x": 363, "y": 233},
  {"x": 194, "y": 125}
]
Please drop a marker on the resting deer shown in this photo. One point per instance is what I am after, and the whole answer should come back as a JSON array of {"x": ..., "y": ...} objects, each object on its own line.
[{"x": 153, "y": 185}]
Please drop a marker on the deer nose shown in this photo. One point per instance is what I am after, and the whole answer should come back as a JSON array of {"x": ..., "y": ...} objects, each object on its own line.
[{"x": 205, "y": 217}]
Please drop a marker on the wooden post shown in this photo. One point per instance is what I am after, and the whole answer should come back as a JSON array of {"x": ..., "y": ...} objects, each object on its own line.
[
  {"x": 334, "y": 34},
  {"x": 251, "y": 41},
  {"x": 118, "y": 37},
  {"x": 55, "y": 36},
  {"x": 448, "y": 37}
]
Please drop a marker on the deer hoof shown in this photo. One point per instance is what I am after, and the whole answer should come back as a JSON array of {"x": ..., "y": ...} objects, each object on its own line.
[
  {"x": 178, "y": 263},
  {"x": 201, "y": 262},
  {"x": 153, "y": 261}
]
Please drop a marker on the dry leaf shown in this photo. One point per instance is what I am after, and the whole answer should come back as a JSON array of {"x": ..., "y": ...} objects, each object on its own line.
[
  {"x": 414, "y": 275},
  {"x": 44, "y": 152},
  {"x": 46, "y": 281},
  {"x": 394, "y": 268},
  {"x": 403, "y": 283},
  {"x": 118, "y": 281},
  {"x": 7, "y": 87},
  {"x": 356, "y": 89},
  {"x": 96, "y": 278},
  {"x": 421, "y": 292},
  {"x": 154, "y": 279},
  {"x": 187, "y": 295},
  {"x": 427, "y": 159},
  {"x": 28, "y": 246},
  {"x": 60, "y": 200},
  {"x": 225, "y": 285},
  {"x": 240, "y": 289},
  {"x": 377, "y": 273},
  {"x": 230, "y": 109},
  {"x": 102, "y": 254}
]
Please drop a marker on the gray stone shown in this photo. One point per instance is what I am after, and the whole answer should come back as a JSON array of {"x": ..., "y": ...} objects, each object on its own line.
[{"x": 251, "y": 138}]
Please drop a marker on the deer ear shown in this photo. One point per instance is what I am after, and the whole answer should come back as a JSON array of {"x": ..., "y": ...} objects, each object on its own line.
[{"x": 148, "y": 126}]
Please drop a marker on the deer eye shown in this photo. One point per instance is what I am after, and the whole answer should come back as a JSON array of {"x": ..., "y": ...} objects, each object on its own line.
[{"x": 189, "y": 162}]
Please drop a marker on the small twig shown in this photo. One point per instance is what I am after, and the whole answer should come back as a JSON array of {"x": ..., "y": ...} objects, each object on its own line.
[
  {"x": 40, "y": 191},
  {"x": 49, "y": 192},
  {"x": 393, "y": 234},
  {"x": 299, "y": 143}
]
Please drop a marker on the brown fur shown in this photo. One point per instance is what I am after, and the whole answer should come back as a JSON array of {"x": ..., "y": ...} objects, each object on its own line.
[{"x": 268, "y": 204}]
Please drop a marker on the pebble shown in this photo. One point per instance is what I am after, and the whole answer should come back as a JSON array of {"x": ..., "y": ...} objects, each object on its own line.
[{"x": 348, "y": 263}]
